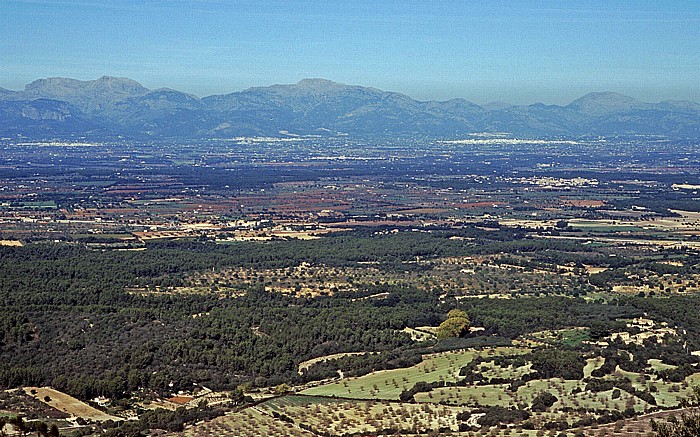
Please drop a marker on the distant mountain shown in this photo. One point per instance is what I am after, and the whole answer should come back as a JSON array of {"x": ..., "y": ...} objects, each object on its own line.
[
  {"x": 110, "y": 106},
  {"x": 601, "y": 104},
  {"x": 314, "y": 105},
  {"x": 495, "y": 106},
  {"x": 44, "y": 118},
  {"x": 90, "y": 96}
]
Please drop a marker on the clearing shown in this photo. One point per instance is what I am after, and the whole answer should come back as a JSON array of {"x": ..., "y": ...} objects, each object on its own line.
[{"x": 68, "y": 404}]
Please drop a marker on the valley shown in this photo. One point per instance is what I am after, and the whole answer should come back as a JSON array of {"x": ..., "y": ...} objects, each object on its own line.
[{"x": 265, "y": 287}]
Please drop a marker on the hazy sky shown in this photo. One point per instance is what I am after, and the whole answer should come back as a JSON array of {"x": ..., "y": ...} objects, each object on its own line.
[{"x": 519, "y": 51}]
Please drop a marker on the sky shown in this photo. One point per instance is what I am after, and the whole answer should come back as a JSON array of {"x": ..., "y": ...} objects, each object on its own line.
[{"x": 519, "y": 51}]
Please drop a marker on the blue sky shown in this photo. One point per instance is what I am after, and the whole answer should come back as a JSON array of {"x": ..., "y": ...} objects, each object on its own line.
[{"x": 518, "y": 51}]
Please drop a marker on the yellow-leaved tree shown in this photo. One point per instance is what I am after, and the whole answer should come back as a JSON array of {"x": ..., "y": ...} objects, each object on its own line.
[{"x": 456, "y": 325}]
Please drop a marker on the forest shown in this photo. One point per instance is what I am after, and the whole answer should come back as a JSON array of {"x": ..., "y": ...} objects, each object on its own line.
[{"x": 68, "y": 321}]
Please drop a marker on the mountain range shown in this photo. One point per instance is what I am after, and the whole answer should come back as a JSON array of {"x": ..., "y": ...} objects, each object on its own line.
[{"x": 111, "y": 107}]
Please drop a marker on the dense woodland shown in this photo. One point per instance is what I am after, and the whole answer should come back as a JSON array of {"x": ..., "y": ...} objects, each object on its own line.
[{"x": 67, "y": 320}]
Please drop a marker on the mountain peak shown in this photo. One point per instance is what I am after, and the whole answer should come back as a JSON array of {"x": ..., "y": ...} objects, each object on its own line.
[
  {"x": 62, "y": 84},
  {"x": 308, "y": 86},
  {"x": 318, "y": 84},
  {"x": 604, "y": 97},
  {"x": 122, "y": 105},
  {"x": 118, "y": 80},
  {"x": 496, "y": 106},
  {"x": 602, "y": 103},
  {"x": 88, "y": 95}
]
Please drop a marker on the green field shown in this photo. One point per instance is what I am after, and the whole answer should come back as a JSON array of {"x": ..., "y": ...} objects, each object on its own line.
[
  {"x": 473, "y": 395},
  {"x": 591, "y": 365},
  {"x": 388, "y": 384}
]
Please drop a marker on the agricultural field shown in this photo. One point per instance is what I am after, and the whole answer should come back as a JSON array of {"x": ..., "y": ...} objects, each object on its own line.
[
  {"x": 388, "y": 384},
  {"x": 304, "y": 288},
  {"x": 250, "y": 422},
  {"x": 466, "y": 276},
  {"x": 456, "y": 410},
  {"x": 68, "y": 404},
  {"x": 345, "y": 417}
]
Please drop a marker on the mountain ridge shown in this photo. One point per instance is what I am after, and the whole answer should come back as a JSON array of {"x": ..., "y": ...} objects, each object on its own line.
[{"x": 122, "y": 106}]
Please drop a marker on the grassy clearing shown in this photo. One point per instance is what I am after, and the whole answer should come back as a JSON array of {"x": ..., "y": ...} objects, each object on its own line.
[
  {"x": 602, "y": 400},
  {"x": 304, "y": 365},
  {"x": 659, "y": 365},
  {"x": 490, "y": 370},
  {"x": 556, "y": 386},
  {"x": 388, "y": 384},
  {"x": 574, "y": 337},
  {"x": 418, "y": 335},
  {"x": 499, "y": 395},
  {"x": 667, "y": 394},
  {"x": 591, "y": 365},
  {"x": 568, "y": 337},
  {"x": 564, "y": 391}
]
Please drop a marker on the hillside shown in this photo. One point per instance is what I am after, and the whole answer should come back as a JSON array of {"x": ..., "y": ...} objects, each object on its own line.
[{"x": 110, "y": 106}]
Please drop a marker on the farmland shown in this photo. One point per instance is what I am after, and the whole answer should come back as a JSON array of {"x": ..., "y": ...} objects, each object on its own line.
[
  {"x": 388, "y": 384},
  {"x": 301, "y": 289}
]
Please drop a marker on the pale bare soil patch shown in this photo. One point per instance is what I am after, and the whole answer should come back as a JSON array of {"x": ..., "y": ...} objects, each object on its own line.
[
  {"x": 669, "y": 244},
  {"x": 12, "y": 243},
  {"x": 304, "y": 365},
  {"x": 591, "y": 269},
  {"x": 419, "y": 334},
  {"x": 68, "y": 404},
  {"x": 532, "y": 224}
]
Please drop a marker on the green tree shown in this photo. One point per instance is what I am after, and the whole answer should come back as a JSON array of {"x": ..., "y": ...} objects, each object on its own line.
[
  {"x": 43, "y": 429},
  {"x": 282, "y": 389},
  {"x": 689, "y": 423},
  {"x": 53, "y": 432},
  {"x": 456, "y": 325}
]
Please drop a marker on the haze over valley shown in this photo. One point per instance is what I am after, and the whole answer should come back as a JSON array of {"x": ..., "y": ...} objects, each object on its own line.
[
  {"x": 108, "y": 108},
  {"x": 289, "y": 218}
]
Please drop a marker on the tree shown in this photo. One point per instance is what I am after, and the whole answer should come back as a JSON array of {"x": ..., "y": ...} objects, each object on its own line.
[
  {"x": 543, "y": 401},
  {"x": 689, "y": 423},
  {"x": 43, "y": 429},
  {"x": 282, "y": 389},
  {"x": 53, "y": 432},
  {"x": 18, "y": 423},
  {"x": 456, "y": 325}
]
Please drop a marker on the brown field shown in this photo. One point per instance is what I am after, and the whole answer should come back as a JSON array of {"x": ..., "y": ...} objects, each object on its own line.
[
  {"x": 423, "y": 211},
  {"x": 162, "y": 234},
  {"x": 14, "y": 243},
  {"x": 581, "y": 203},
  {"x": 69, "y": 404}
]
